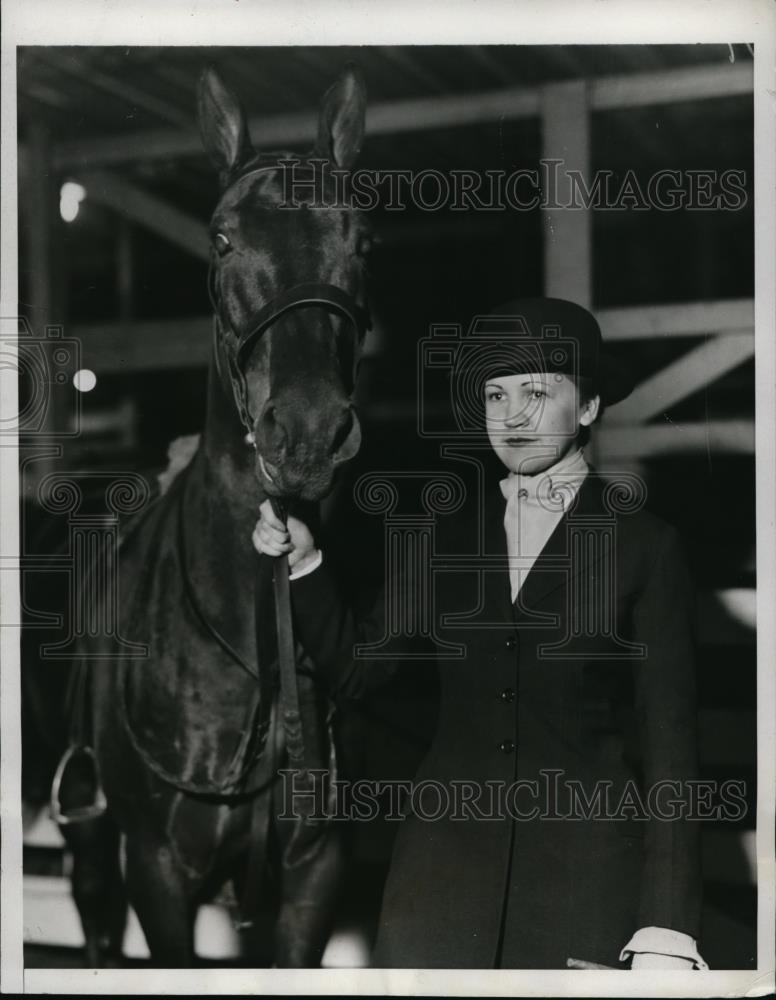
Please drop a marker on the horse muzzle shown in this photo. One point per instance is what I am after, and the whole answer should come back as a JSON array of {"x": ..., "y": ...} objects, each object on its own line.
[{"x": 299, "y": 452}]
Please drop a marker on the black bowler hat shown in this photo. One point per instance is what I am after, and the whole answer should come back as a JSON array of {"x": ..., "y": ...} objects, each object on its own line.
[{"x": 549, "y": 335}]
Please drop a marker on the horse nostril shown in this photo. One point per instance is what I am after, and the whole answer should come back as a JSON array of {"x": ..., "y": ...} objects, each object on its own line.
[
  {"x": 347, "y": 437},
  {"x": 270, "y": 431},
  {"x": 341, "y": 431}
]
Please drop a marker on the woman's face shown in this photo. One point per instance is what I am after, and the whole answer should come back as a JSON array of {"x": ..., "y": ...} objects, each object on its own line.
[{"x": 533, "y": 420}]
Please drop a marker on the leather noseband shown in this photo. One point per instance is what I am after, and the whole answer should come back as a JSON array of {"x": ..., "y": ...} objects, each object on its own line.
[{"x": 300, "y": 296}]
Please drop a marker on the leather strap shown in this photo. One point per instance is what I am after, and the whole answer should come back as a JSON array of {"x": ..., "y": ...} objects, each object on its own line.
[
  {"x": 256, "y": 867},
  {"x": 290, "y": 717},
  {"x": 289, "y": 692},
  {"x": 308, "y": 293}
]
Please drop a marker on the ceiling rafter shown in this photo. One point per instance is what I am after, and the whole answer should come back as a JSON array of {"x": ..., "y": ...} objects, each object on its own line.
[
  {"x": 120, "y": 88},
  {"x": 428, "y": 113}
]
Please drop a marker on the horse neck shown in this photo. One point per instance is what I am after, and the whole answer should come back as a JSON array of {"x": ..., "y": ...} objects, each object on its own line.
[{"x": 222, "y": 498}]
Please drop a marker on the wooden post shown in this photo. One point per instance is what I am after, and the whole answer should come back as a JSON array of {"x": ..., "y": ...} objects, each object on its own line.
[
  {"x": 568, "y": 256},
  {"x": 567, "y": 231}
]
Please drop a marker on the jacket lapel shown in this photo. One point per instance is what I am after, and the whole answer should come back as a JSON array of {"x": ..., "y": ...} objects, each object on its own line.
[
  {"x": 561, "y": 559},
  {"x": 497, "y": 589}
]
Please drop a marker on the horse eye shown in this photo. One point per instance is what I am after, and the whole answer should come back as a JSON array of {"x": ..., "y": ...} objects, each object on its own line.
[{"x": 222, "y": 244}]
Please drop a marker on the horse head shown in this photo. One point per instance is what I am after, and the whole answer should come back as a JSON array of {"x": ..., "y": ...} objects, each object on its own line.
[{"x": 287, "y": 284}]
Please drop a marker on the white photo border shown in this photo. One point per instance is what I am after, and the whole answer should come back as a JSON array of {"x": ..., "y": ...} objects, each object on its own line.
[{"x": 401, "y": 22}]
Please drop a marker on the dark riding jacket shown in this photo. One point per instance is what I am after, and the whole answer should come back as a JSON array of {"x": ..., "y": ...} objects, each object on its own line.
[{"x": 580, "y": 697}]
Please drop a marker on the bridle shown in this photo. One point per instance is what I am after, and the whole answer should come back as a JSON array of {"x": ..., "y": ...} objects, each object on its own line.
[
  {"x": 238, "y": 350},
  {"x": 300, "y": 296},
  {"x": 254, "y": 736}
]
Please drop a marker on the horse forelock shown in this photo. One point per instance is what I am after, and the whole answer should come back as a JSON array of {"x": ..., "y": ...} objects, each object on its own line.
[
  {"x": 283, "y": 174},
  {"x": 296, "y": 243}
]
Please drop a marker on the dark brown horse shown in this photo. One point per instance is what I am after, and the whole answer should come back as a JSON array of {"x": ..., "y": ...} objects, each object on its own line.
[{"x": 187, "y": 739}]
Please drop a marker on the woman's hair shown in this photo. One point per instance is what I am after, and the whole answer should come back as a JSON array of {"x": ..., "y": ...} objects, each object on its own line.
[{"x": 587, "y": 389}]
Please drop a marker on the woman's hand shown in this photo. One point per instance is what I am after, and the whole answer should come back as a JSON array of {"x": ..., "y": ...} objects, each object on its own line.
[{"x": 272, "y": 539}]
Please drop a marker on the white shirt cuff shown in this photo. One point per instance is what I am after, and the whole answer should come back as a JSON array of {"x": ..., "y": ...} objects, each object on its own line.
[
  {"x": 662, "y": 942},
  {"x": 308, "y": 568}
]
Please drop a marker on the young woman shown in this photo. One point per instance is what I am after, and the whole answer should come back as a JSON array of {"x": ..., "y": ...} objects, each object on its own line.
[{"x": 566, "y": 736}]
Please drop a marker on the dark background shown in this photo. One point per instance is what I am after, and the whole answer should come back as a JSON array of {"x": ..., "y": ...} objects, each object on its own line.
[{"x": 427, "y": 267}]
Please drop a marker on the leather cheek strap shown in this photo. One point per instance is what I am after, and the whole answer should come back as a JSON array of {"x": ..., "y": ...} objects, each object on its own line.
[
  {"x": 296, "y": 297},
  {"x": 310, "y": 293}
]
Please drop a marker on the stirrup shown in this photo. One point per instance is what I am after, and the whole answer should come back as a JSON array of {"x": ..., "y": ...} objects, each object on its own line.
[{"x": 78, "y": 814}]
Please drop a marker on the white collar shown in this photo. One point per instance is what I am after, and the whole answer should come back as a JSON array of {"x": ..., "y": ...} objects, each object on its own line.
[{"x": 552, "y": 488}]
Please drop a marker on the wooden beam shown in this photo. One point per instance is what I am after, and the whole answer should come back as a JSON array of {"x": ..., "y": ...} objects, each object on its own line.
[
  {"x": 115, "y": 348},
  {"x": 112, "y": 84},
  {"x": 670, "y": 86},
  {"x": 46, "y": 95},
  {"x": 105, "y": 430},
  {"x": 297, "y": 129},
  {"x": 568, "y": 264},
  {"x": 680, "y": 379},
  {"x": 679, "y": 320},
  {"x": 424, "y": 113},
  {"x": 568, "y": 64},
  {"x": 158, "y": 345},
  {"x": 133, "y": 203},
  {"x": 726, "y": 436}
]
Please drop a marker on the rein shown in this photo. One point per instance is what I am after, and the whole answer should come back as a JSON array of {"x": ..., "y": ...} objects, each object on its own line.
[
  {"x": 261, "y": 725},
  {"x": 339, "y": 302},
  {"x": 289, "y": 693}
]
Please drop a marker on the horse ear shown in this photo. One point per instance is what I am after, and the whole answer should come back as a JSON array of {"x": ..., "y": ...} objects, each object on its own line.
[
  {"x": 222, "y": 122},
  {"x": 341, "y": 119}
]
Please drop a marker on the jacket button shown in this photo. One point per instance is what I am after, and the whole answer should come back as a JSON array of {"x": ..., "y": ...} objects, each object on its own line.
[
  {"x": 506, "y": 746},
  {"x": 507, "y": 695},
  {"x": 511, "y": 642}
]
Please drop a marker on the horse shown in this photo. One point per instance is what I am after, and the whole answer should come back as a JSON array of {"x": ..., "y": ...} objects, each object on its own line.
[{"x": 188, "y": 740}]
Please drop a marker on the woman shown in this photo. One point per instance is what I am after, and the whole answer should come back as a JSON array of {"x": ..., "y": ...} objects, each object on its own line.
[{"x": 573, "y": 706}]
